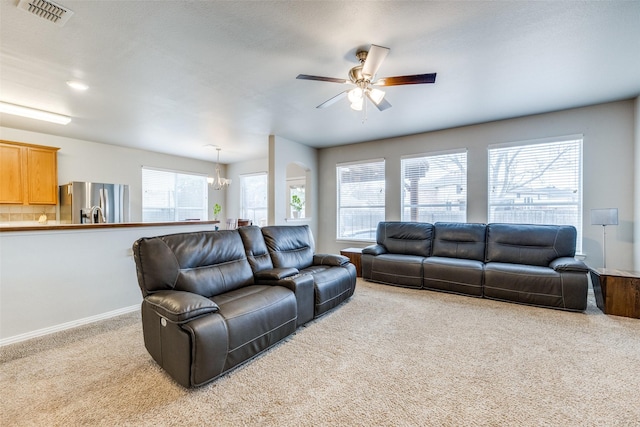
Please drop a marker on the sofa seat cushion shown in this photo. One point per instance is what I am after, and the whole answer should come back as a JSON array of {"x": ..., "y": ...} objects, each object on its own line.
[
  {"x": 395, "y": 269},
  {"x": 257, "y": 317},
  {"x": 332, "y": 285},
  {"x": 534, "y": 285},
  {"x": 462, "y": 276}
]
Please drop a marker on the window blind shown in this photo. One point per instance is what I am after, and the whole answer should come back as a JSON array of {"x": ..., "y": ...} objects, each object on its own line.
[
  {"x": 434, "y": 187},
  {"x": 169, "y": 196},
  {"x": 538, "y": 182},
  {"x": 361, "y": 199},
  {"x": 253, "y": 199}
]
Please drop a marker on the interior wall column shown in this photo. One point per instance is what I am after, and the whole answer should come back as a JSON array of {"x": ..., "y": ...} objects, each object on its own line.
[{"x": 636, "y": 183}]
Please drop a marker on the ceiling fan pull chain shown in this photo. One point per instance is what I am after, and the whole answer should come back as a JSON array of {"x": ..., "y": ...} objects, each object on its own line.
[{"x": 364, "y": 110}]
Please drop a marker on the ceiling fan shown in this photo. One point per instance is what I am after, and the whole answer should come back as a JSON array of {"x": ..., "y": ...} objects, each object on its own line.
[{"x": 362, "y": 76}]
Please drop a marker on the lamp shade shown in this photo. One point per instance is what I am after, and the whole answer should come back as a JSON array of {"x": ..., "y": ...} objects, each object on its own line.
[{"x": 607, "y": 216}]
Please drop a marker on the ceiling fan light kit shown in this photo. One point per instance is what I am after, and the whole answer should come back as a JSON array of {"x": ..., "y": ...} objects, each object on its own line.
[{"x": 362, "y": 76}]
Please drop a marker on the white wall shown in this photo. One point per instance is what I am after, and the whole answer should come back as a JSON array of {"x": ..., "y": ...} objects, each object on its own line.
[
  {"x": 282, "y": 152},
  {"x": 53, "y": 278},
  {"x": 608, "y": 181},
  {"x": 80, "y": 160}
]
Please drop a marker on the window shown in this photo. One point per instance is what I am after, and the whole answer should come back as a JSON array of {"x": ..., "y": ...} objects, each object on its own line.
[
  {"x": 253, "y": 198},
  {"x": 361, "y": 194},
  {"x": 173, "y": 196},
  {"x": 538, "y": 182},
  {"x": 297, "y": 198},
  {"x": 434, "y": 187}
]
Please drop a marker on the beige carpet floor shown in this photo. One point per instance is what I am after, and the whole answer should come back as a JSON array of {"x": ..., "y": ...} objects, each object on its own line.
[{"x": 388, "y": 357}]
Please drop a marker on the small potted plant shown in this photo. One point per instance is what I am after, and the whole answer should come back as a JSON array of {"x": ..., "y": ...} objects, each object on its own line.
[
  {"x": 216, "y": 210},
  {"x": 297, "y": 205}
]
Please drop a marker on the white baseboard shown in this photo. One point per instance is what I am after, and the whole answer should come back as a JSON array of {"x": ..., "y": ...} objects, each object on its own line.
[{"x": 64, "y": 326}]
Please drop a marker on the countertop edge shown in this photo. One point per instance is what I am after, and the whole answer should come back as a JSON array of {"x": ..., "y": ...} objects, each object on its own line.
[{"x": 45, "y": 227}]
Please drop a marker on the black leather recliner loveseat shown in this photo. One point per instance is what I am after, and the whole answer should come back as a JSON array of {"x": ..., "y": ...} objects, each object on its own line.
[
  {"x": 213, "y": 300},
  {"x": 527, "y": 264}
]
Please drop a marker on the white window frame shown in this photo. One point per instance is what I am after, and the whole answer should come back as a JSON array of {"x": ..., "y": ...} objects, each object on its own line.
[
  {"x": 173, "y": 205},
  {"x": 542, "y": 201},
  {"x": 448, "y": 205},
  {"x": 362, "y": 229}
]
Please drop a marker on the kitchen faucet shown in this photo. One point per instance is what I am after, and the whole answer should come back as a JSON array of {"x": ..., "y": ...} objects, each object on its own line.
[{"x": 92, "y": 215}]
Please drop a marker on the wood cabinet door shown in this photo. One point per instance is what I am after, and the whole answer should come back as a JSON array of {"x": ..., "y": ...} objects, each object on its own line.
[
  {"x": 42, "y": 177},
  {"x": 11, "y": 174}
]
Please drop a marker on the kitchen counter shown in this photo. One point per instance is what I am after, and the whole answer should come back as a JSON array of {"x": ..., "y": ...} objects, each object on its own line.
[
  {"x": 60, "y": 276},
  {"x": 53, "y": 225}
]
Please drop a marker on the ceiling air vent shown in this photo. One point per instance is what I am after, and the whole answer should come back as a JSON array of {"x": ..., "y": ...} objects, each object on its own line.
[{"x": 48, "y": 10}]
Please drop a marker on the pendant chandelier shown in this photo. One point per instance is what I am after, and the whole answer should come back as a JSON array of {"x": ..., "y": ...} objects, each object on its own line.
[{"x": 218, "y": 183}]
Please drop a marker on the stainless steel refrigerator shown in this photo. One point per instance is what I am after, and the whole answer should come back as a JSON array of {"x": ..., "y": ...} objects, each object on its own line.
[{"x": 93, "y": 202}]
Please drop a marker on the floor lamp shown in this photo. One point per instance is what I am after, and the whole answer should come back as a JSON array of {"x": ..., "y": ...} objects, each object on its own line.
[{"x": 604, "y": 217}]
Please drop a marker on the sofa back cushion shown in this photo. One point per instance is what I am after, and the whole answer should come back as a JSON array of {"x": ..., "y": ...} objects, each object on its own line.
[
  {"x": 289, "y": 245},
  {"x": 529, "y": 244},
  {"x": 255, "y": 248},
  {"x": 406, "y": 238},
  {"x": 459, "y": 240},
  {"x": 207, "y": 263}
]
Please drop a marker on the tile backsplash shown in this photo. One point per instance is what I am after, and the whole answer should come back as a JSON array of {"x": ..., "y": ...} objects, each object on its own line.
[{"x": 21, "y": 213}]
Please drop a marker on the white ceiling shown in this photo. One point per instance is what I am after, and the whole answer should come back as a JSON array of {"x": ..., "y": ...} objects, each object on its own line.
[{"x": 174, "y": 76}]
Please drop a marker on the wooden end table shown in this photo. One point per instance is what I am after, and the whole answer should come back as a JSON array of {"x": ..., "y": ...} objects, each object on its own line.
[
  {"x": 617, "y": 292},
  {"x": 355, "y": 256}
]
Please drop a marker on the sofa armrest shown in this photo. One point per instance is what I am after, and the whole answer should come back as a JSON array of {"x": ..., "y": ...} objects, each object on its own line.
[
  {"x": 276, "y": 273},
  {"x": 179, "y": 306},
  {"x": 303, "y": 287},
  {"x": 374, "y": 250},
  {"x": 330, "y": 259},
  {"x": 569, "y": 264}
]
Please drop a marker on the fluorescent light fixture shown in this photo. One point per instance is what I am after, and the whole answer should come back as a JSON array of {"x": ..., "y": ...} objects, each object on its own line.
[
  {"x": 74, "y": 84},
  {"x": 32, "y": 113}
]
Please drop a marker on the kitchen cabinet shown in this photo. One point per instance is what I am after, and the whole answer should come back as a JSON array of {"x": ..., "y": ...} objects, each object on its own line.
[{"x": 28, "y": 174}]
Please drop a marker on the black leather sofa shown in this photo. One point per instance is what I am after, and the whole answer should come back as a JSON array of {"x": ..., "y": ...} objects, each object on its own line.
[
  {"x": 213, "y": 300},
  {"x": 528, "y": 264}
]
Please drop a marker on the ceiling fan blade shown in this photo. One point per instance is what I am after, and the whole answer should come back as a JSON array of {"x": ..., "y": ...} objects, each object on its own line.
[
  {"x": 321, "y": 79},
  {"x": 382, "y": 105},
  {"x": 376, "y": 55},
  {"x": 333, "y": 100},
  {"x": 415, "y": 79}
]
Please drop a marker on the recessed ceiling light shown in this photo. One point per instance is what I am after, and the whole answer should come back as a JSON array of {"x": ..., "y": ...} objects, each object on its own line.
[
  {"x": 32, "y": 113},
  {"x": 77, "y": 85}
]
